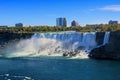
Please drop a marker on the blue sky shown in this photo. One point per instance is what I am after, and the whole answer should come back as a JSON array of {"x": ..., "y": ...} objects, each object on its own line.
[{"x": 45, "y": 12}]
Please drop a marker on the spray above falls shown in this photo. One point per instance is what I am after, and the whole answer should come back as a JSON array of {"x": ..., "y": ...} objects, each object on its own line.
[{"x": 55, "y": 44}]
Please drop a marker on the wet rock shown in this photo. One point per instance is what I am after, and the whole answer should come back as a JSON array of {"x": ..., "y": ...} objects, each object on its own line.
[
  {"x": 71, "y": 53},
  {"x": 65, "y": 54},
  {"x": 6, "y": 37},
  {"x": 100, "y": 38},
  {"x": 110, "y": 51}
]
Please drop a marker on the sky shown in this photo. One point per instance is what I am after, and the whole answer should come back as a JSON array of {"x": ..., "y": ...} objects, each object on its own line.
[{"x": 45, "y": 12}]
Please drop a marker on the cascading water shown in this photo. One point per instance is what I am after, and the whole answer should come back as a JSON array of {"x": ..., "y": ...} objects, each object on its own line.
[
  {"x": 55, "y": 44},
  {"x": 106, "y": 38}
]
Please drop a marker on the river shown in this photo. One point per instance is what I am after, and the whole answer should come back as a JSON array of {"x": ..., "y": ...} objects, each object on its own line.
[{"x": 58, "y": 68}]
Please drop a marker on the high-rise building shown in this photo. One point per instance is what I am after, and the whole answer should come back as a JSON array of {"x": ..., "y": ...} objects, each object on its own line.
[
  {"x": 19, "y": 25},
  {"x": 112, "y": 22},
  {"x": 74, "y": 23},
  {"x": 61, "y": 22}
]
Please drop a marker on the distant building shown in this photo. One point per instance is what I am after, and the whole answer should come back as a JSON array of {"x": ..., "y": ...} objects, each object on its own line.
[
  {"x": 74, "y": 23},
  {"x": 3, "y": 26},
  {"x": 61, "y": 22},
  {"x": 112, "y": 22},
  {"x": 19, "y": 25}
]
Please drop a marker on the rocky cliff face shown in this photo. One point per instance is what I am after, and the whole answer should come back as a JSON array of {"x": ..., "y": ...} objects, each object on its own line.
[
  {"x": 5, "y": 37},
  {"x": 110, "y": 50},
  {"x": 100, "y": 38}
]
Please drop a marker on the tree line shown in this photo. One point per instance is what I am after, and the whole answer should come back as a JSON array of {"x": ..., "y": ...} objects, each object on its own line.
[{"x": 34, "y": 29}]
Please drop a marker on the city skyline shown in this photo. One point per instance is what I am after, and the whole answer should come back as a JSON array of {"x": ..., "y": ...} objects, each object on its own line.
[
  {"x": 44, "y": 12},
  {"x": 61, "y": 22}
]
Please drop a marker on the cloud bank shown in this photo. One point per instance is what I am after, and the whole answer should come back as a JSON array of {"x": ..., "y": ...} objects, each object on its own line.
[{"x": 111, "y": 8}]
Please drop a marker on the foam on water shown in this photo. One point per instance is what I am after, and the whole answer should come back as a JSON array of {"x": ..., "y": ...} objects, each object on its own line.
[
  {"x": 81, "y": 55},
  {"x": 12, "y": 77}
]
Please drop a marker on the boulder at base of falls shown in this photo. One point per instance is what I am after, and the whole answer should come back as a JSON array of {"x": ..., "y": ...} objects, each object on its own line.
[
  {"x": 71, "y": 53},
  {"x": 109, "y": 51}
]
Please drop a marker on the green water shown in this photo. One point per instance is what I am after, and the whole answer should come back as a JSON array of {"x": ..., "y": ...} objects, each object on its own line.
[{"x": 59, "y": 69}]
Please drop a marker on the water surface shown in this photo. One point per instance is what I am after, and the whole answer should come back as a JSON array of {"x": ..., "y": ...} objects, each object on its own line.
[{"x": 58, "y": 68}]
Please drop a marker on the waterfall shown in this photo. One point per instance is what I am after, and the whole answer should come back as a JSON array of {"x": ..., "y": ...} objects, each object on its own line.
[
  {"x": 55, "y": 44},
  {"x": 106, "y": 38},
  {"x": 71, "y": 40}
]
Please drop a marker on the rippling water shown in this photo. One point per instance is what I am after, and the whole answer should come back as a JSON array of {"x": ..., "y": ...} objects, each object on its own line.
[{"x": 58, "y": 68}]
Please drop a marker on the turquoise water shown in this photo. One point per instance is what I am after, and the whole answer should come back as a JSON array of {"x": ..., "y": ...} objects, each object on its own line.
[{"x": 47, "y": 68}]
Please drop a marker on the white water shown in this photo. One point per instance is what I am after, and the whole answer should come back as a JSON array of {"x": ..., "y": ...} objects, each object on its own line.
[
  {"x": 106, "y": 38},
  {"x": 55, "y": 44},
  {"x": 11, "y": 77}
]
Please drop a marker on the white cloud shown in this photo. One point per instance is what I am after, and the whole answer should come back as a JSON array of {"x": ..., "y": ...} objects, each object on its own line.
[{"x": 111, "y": 8}]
